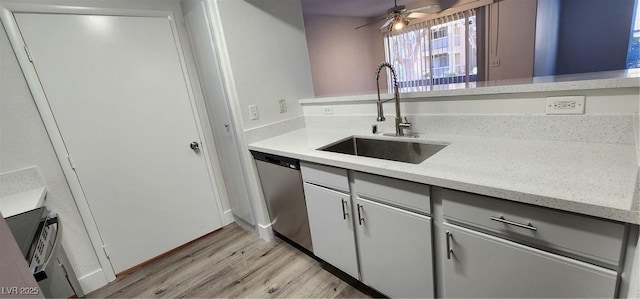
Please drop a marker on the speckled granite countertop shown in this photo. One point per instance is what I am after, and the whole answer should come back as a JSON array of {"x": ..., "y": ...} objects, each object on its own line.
[{"x": 588, "y": 178}]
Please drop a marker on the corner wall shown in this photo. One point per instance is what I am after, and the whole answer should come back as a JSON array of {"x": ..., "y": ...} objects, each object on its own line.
[
  {"x": 268, "y": 57},
  {"x": 262, "y": 61}
]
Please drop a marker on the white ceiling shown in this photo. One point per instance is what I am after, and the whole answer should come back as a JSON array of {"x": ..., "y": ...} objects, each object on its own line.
[{"x": 356, "y": 8}]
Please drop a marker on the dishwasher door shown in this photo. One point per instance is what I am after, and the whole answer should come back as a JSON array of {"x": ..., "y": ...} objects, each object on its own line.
[{"x": 282, "y": 186}]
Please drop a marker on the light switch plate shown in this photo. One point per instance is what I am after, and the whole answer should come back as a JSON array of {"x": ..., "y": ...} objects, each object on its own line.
[{"x": 565, "y": 105}]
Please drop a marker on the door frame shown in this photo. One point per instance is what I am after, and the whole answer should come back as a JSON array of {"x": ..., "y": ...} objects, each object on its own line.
[{"x": 7, "y": 9}]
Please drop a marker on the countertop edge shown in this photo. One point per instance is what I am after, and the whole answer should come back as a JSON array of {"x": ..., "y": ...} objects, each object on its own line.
[{"x": 496, "y": 88}]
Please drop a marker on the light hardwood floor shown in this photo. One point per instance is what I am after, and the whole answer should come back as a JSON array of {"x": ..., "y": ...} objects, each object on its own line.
[{"x": 231, "y": 263}]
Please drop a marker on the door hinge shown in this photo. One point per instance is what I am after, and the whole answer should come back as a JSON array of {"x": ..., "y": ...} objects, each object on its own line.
[
  {"x": 106, "y": 252},
  {"x": 73, "y": 166},
  {"x": 26, "y": 50}
]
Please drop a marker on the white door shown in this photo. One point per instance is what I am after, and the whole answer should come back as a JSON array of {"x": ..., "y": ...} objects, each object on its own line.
[
  {"x": 484, "y": 266},
  {"x": 395, "y": 250},
  {"x": 121, "y": 101},
  {"x": 217, "y": 107},
  {"x": 331, "y": 225}
]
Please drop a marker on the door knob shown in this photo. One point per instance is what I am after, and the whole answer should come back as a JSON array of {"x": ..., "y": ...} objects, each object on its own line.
[{"x": 194, "y": 146}]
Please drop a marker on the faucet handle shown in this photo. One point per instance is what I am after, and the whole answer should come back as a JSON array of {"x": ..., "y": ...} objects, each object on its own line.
[{"x": 406, "y": 124}]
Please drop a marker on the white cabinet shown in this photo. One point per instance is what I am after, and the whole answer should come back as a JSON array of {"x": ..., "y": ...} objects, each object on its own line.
[
  {"x": 394, "y": 245},
  {"x": 331, "y": 225},
  {"x": 480, "y": 265},
  {"x": 394, "y": 249},
  {"x": 498, "y": 248}
]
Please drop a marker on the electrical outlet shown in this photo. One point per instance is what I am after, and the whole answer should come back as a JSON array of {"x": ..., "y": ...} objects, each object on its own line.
[
  {"x": 327, "y": 110},
  {"x": 283, "y": 105},
  {"x": 495, "y": 62},
  {"x": 565, "y": 105},
  {"x": 253, "y": 112}
]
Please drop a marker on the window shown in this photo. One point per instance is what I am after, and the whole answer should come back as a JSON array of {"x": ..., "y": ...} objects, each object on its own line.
[
  {"x": 633, "y": 54},
  {"x": 438, "y": 33},
  {"x": 433, "y": 53}
]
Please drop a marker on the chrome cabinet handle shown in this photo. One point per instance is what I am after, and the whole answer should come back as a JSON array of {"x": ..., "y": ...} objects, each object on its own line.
[
  {"x": 449, "y": 250},
  {"x": 194, "y": 146},
  {"x": 360, "y": 218},
  {"x": 344, "y": 211},
  {"x": 503, "y": 220}
]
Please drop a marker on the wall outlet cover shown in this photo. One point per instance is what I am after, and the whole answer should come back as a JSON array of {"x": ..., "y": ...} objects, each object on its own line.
[
  {"x": 565, "y": 105},
  {"x": 253, "y": 112},
  {"x": 282, "y": 103},
  {"x": 327, "y": 109}
]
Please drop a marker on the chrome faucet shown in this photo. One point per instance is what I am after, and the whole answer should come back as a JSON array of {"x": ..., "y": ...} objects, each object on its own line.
[{"x": 400, "y": 125}]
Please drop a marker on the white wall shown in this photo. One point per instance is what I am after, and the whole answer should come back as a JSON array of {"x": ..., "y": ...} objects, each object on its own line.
[
  {"x": 24, "y": 142},
  {"x": 267, "y": 52},
  {"x": 343, "y": 59}
]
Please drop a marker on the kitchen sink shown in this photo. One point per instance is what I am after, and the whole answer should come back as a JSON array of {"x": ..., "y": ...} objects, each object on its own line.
[{"x": 394, "y": 150}]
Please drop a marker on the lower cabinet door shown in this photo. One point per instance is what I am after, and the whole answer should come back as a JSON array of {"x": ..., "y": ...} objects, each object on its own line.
[
  {"x": 480, "y": 265},
  {"x": 331, "y": 226},
  {"x": 395, "y": 250}
]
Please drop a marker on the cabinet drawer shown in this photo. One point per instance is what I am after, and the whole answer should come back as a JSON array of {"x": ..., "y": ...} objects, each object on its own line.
[
  {"x": 595, "y": 239},
  {"x": 327, "y": 176},
  {"x": 410, "y": 195},
  {"x": 484, "y": 266}
]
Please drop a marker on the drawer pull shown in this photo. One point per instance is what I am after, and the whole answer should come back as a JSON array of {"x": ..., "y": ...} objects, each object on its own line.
[
  {"x": 501, "y": 219},
  {"x": 344, "y": 212}
]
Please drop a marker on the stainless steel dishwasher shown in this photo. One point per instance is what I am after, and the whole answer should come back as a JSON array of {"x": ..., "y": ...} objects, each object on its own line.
[{"x": 282, "y": 186}]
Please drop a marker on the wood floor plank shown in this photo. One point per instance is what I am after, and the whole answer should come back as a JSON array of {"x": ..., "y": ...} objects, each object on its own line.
[{"x": 231, "y": 263}]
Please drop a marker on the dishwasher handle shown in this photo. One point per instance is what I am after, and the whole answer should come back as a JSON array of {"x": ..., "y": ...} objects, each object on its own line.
[{"x": 277, "y": 160}]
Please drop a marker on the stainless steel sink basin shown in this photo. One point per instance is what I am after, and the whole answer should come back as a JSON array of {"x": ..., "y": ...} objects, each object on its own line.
[{"x": 395, "y": 150}]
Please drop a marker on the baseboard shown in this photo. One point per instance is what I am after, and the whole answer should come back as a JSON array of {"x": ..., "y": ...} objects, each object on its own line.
[
  {"x": 265, "y": 232},
  {"x": 227, "y": 217},
  {"x": 93, "y": 281}
]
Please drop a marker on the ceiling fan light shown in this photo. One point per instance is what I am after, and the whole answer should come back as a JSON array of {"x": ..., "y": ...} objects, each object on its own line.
[{"x": 399, "y": 24}]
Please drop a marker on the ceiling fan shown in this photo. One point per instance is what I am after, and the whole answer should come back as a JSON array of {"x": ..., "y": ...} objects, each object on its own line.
[{"x": 398, "y": 16}]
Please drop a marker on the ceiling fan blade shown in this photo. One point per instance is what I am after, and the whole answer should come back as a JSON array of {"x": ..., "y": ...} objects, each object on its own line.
[
  {"x": 372, "y": 22},
  {"x": 431, "y": 8},
  {"x": 386, "y": 24},
  {"x": 417, "y": 15}
]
